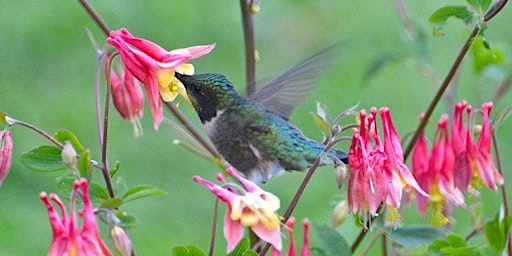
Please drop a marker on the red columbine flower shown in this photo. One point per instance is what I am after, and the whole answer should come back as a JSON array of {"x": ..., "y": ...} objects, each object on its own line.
[
  {"x": 367, "y": 186},
  {"x": 400, "y": 175},
  {"x": 250, "y": 207},
  {"x": 67, "y": 238},
  {"x": 378, "y": 173},
  {"x": 434, "y": 173},
  {"x": 5, "y": 154},
  {"x": 305, "y": 242},
  {"x": 479, "y": 154},
  {"x": 473, "y": 162},
  {"x": 126, "y": 94},
  {"x": 155, "y": 66}
]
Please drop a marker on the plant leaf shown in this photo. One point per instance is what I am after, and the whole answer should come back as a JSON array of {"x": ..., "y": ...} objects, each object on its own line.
[
  {"x": 141, "y": 191},
  {"x": 65, "y": 135},
  {"x": 43, "y": 159},
  {"x": 126, "y": 220},
  {"x": 480, "y": 5},
  {"x": 84, "y": 165},
  {"x": 412, "y": 237},
  {"x": 442, "y": 14},
  {"x": 332, "y": 242},
  {"x": 98, "y": 192},
  {"x": 188, "y": 250},
  {"x": 112, "y": 203},
  {"x": 243, "y": 248}
]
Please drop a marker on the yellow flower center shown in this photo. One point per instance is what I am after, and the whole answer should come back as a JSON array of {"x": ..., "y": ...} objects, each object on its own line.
[
  {"x": 437, "y": 202},
  {"x": 170, "y": 87},
  {"x": 254, "y": 208}
]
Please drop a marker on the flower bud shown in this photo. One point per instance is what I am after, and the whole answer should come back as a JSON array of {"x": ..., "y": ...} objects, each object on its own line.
[
  {"x": 121, "y": 241},
  {"x": 5, "y": 154},
  {"x": 68, "y": 155},
  {"x": 340, "y": 213}
]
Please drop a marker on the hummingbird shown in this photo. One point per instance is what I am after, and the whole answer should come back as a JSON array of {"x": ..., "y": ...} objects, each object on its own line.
[{"x": 254, "y": 133}]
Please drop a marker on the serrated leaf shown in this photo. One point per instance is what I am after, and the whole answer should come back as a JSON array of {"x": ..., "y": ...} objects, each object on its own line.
[
  {"x": 444, "y": 13},
  {"x": 413, "y": 236},
  {"x": 65, "y": 135},
  {"x": 243, "y": 248},
  {"x": 141, "y": 191},
  {"x": 332, "y": 242},
  {"x": 84, "y": 165},
  {"x": 126, "y": 220},
  {"x": 188, "y": 250},
  {"x": 43, "y": 159}
]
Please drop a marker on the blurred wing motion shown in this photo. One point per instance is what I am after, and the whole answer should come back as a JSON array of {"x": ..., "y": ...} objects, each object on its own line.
[{"x": 283, "y": 94}]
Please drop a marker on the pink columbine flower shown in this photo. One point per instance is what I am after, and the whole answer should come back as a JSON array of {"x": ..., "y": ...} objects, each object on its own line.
[
  {"x": 378, "y": 173},
  {"x": 5, "y": 154},
  {"x": 247, "y": 207},
  {"x": 473, "y": 162},
  {"x": 367, "y": 187},
  {"x": 155, "y": 66},
  {"x": 305, "y": 242},
  {"x": 479, "y": 154},
  {"x": 397, "y": 171},
  {"x": 126, "y": 95},
  {"x": 68, "y": 239},
  {"x": 434, "y": 173}
]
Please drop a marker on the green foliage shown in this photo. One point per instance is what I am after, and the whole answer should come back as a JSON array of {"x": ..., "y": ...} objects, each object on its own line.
[
  {"x": 188, "y": 250},
  {"x": 331, "y": 241},
  {"x": 141, "y": 191},
  {"x": 497, "y": 231},
  {"x": 322, "y": 119},
  {"x": 444, "y": 13},
  {"x": 484, "y": 55},
  {"x": 65, "y": 135},
  {"x": 480, "y": 6},
  {"x": 414, "y": 236},
  {"x": 243, "y": 248},
  {"x": 452, "y": 245},
  {"x": 43, "y": 159},
  {"x": 84, "y": 165}
]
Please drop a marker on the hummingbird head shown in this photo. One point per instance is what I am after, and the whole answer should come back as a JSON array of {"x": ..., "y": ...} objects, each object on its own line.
[{"x": 209, "y": 93}]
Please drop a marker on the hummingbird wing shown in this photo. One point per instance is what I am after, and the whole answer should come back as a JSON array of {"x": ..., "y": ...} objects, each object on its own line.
[{"x": 283, "y": 94}]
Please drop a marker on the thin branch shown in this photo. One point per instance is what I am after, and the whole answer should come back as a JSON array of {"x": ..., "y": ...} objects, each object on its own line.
[
  {"x": 250, "y": 45},
  {"x": 214, "y": 227},
  {"x": 105, "y": 169},
  {"x": 94, "y": 15}
]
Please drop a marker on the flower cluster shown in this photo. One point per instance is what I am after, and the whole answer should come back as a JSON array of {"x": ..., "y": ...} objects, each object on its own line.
[
  {"x": 454, "y": 163},
  {"x": 250, "y": 207},
  {"x": 154, "y": 67},
  {"x": 378, "y": 173},
  {"x": 67, "y": 238}
]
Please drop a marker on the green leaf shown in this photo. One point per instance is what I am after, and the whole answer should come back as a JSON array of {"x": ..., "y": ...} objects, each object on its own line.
[
  {"x": 480, "y": 6},
  {"x": 413, "y": 236},
  {"x": 126, "y": 220},
  {"x": 43, "y": 159},
  {"x": 322, "y": 124},
  {"x": 452, "y": 245},
  {"x": 243, "y": 249},
  {"x": 112, "y": 203},
  {"x": 496, "y": 231},
  {"x": 188, "y": 250},
  {"x": 120, "y": 186},
  {"x": 461, "y": 12},
  {"x": 65, "y": 135},
  {"x": 502, "y": 116},
  {"x": 98, "y": 192},
  {"x": 332, "y": 242},
  {"x": 141, "y": 191},
  {"x": 84, "y": 165},
  {"x": 114, "y": 170},
  {"x": 484, "y": 55}
]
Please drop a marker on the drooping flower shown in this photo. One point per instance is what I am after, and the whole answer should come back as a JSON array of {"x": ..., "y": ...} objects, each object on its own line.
[
  {"x": 479, "y": 154},
  {"x": 126, "y": 95},
  {"x": 68, "y": 239},
  {"x": 378, "y": 173},
  {"x": 434, "y": 173},
  {"x": 395, "y": 167},
  {"x": 121, "y": 241},
  {"x": 473, "y": 161},
  {"x": 155, "y": 66},
  {"x": 5, "y": 154},
  {"x": 247, "y": 207},
  {"x": 290, "y": 224}
]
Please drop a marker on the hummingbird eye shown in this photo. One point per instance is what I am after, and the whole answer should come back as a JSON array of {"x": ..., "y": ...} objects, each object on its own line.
[{"x": 197, "y": 88}]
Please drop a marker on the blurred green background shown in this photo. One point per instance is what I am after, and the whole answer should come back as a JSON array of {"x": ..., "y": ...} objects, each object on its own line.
[{"x": 47, "y": 79}]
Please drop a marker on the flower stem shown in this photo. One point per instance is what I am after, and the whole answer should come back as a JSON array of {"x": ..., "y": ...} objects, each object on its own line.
[
  {"x": 94, "y": 15},
  {"x": 104, "y": 161},
  {"x": 250, "y": 45}
]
